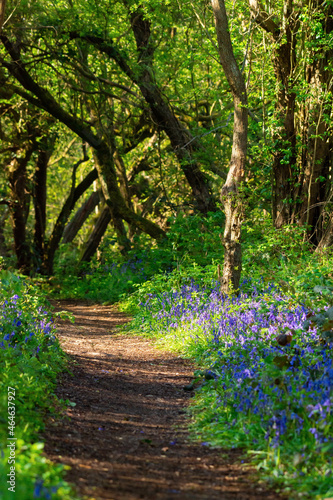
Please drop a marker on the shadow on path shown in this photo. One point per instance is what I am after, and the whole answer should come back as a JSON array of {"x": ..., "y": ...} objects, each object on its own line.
[{"x": 126, "y": 438}]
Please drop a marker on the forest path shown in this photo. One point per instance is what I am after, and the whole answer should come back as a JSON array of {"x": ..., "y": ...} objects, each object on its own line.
[{"x": 126, "y": 437}]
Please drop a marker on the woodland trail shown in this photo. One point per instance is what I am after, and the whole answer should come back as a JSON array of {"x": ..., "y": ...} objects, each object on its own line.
[{"x": 126, "y": 439}]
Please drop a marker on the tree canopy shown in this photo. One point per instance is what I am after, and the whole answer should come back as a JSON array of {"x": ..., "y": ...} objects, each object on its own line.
[{"x": 136, "y": 101}]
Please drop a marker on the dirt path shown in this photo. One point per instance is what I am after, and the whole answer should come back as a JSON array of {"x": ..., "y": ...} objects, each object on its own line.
[{"x": 126, "y": 438}]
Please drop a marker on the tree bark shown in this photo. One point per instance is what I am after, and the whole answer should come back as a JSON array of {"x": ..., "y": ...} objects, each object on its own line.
[
  {"x": 2, "y": 12},
  {"x": 96, "y": 235},
  {"x": 300, "y": 181},
  {"x": 123, "y": 241},
  {"x": 164, "y": 118},
  {"x": 62, "y": 219},
  {"x": 20, "y": 207},
  {"x": 231, "y": 198},
  {"x": 42, "y": 98},
  {"x": 180, "y": 138},
  {"x": 4, "y": 252},
  {"x": 327, "y": 237},
  {"x": 40, "y": 195},
  {"x": 284, "y": 173},
  {"x": 108, "y": 179},
  {"x": 81, "y": 215},
  {"x": 317, "y": 158}
]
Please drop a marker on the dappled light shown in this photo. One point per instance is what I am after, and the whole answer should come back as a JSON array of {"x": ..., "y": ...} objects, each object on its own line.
[
  {"x": 166, "y": 262},
  {"x": 125, "y": 435}
]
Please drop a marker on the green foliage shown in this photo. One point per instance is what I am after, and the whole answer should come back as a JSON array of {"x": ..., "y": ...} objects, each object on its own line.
[
  {"x": 36, "y": 476},
  {"x": 270, "y": 250},
  {"x": 178, "y": 310},
  {"x": 105, "y": 282},
  {"x": 254, "y": 391},
  {"x": 192, "y": 250},
  {"x": 192, "y": 242},
  {"x": 54, "y": 42},
  {"x": 195, "y": 238},
  {"x": 30, "y": 360}
]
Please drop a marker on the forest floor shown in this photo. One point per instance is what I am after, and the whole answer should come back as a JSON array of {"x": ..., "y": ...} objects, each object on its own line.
[{"x": 126, "y": 438}]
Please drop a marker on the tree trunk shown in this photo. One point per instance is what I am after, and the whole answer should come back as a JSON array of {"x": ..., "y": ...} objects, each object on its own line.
[
  {"x": 103, "y": 153},
  {"x": 2, "y": 12},
  {"x": 317, "y": 161},
  {"x": 123, "y": 241},
  {"x": 231, "y": 198},
  {"x": 181, "y": 139},
  {"x": 3, "y": 247},
  {"x": 40, "y": 199},
  {"x": 62, "y": 219},
  {"x": 316, "y": 181},
  {"x": 82, "y": 214},
  {"x": 284, "y": 155},
  {"x": 96, "y": 235},
  {"x": 301, "y": 181},
  {"x": 20, "y": 207},
  {"x": 109, "y": 183},
  {"x": 163, "y": 115},
  {"x": 327, "y": 238},
  {"x": 284, "y": 134}
]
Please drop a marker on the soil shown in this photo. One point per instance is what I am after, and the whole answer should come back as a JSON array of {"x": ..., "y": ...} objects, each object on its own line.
[{"x": 126, "y": 438}]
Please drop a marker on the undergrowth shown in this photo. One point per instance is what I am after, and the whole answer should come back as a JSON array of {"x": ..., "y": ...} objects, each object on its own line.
[
  {"x": 266, "y": 376},
  {"x": 30, "y": 360},
  {"x": 265, "y": 382}
]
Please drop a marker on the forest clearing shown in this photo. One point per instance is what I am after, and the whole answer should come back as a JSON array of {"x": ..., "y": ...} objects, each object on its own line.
[{"x": 166, "y": 263}]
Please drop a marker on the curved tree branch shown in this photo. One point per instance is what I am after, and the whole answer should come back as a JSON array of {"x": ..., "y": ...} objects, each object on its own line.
[
  {"x": 105, "y": 168},
  {"x": 263, "y": 19}
]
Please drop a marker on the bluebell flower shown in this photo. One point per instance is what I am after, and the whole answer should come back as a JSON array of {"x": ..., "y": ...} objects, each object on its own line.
[
  {"x": 38, "y": 488},
  {"x": 314, "y": 431}
]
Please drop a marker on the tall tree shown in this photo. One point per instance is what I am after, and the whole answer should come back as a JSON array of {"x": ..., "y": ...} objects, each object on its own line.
[
  {"x": 20, "y": 136},
  {"x": 183, "y": 144},
  {"x": 302, "y": 48},
  {"x": 181, "y": 139},
  {"x": 17, "y": 176},
  {"x": 231, "y": 198},
  {"x": 46, "y": 148}
]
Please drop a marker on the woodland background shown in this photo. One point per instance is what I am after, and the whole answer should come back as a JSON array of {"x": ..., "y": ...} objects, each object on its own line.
[{"x": 117, "y": 118}]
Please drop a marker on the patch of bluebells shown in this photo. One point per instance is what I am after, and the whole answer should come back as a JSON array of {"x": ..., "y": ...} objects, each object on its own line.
[
  {"x": 42, "y": 491},
  {"x": 21, "y": 330},
  {"x": 133, "y": 266},
  {"x": 288, "y": 389}
]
